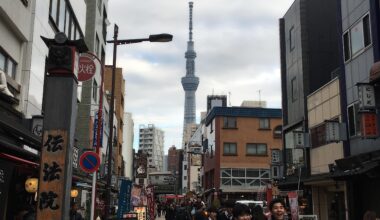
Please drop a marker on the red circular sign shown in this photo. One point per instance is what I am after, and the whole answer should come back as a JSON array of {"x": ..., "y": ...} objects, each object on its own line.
[
  {"x": 87, "y": 68},
  {"x": 89, "y": 161}
]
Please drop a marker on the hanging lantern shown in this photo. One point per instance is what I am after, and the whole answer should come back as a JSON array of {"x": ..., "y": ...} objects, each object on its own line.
[
  {"x": 74, "y": 193},
  {"x": 31, "y": 185}
]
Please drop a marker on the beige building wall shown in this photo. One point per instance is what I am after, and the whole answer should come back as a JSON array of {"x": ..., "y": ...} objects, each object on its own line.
[{"x": 324, "y": 104}]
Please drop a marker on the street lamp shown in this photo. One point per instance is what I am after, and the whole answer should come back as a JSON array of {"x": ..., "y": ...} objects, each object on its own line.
[{"x": 115, "y": 41}]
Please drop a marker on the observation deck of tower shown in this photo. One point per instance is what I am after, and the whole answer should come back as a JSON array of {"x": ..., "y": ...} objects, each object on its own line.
[{"x": 190, "y": 81}]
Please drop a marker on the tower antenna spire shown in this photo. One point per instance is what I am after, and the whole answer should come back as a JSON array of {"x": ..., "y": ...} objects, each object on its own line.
[{"x": 190, "y": 21}]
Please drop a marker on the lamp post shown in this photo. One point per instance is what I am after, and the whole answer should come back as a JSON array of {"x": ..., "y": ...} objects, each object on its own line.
[{"x": 116, "y": 42}]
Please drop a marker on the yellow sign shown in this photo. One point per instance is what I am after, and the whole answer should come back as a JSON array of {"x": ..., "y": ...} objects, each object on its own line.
[{"x": 141, "y": 212}]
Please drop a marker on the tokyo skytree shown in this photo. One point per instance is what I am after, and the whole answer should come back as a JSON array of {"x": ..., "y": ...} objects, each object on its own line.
[{"x": 190, "y": 81}]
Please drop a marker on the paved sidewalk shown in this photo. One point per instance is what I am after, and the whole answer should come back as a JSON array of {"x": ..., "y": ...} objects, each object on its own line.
[{"x": 160, "y": 218}]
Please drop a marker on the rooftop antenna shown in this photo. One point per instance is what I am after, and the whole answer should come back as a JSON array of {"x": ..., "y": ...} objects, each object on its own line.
[
  {"x": 259, "y": 97},
  {"x": 229, "y": 99}
]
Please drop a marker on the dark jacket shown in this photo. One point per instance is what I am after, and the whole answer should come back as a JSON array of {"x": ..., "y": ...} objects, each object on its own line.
[{"x": 75, "y": 216}]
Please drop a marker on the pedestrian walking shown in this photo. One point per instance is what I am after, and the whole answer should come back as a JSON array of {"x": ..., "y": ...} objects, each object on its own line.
[
  {"x": 241, "y": 212},
  {"x": 258, "y": 213},
  {"x": 74, "y": 214},
  {"x": 225, "y": 213},
  {"x": 277, "y": 210}
]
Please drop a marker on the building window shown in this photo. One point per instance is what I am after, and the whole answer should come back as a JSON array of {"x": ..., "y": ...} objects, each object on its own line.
[
  {"x": 53, "y": 10},
  {"x": 357, "y": 38},
  {"x": 264, "y": 123},
  {"x": 244, "y": 177},
  {"x": 256, "y": 149},
  {"x": 318, "y": 135},
  {"x": 276, "y": 154},
  {"x": 95, "y": 91},
  {"x": 275, "y": 172},
  {"x": 229, "y": 149},
  {"x": 294, "y": 89},
  {"x": 7, "y": 64},
  {"x": 229, "y": 122},
  {"x": 61, "y": 16},
  {"x": 185, "y": 167},
  {"x": 291, "y": 38},
  {"x": 354, "y": 120}
]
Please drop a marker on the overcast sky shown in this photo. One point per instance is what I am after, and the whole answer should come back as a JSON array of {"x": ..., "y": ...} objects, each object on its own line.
[{"x": 237, "y": 46}]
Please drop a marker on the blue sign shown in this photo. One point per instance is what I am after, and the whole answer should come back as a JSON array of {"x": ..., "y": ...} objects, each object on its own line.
[
  {"x": 124, "y": 205},
  {"x": 95, "y": 136}
]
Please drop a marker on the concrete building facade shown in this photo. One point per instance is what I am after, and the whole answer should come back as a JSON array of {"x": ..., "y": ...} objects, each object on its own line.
[{"x": 151, "y": 141}]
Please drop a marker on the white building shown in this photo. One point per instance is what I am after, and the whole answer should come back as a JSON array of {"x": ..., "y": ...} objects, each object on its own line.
[
  {"x": 151, "y": 141},
  {"x": 128, "y": 138}
]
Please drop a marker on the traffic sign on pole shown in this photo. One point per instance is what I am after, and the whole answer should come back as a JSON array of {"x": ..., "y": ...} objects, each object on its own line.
[{"x": 89, "y": 162}]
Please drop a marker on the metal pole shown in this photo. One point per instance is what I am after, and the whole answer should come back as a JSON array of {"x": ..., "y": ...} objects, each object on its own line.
[{"x": 110, "y": 139}]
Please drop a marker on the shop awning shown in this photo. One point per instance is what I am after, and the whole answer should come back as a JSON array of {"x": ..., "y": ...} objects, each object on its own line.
[
  {"x": 353, "y": 166},
  {"x": 18, "y": 159}
]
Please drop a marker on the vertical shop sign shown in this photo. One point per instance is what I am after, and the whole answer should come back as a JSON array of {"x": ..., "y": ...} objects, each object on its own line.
[
  {"x": 369, "y": 125},
  {"x": 150, "y": 200},
  {"x": 293, "y": 203}
]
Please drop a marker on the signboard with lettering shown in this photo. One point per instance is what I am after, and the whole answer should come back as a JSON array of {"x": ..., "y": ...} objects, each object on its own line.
[
  {"x": 95, "y": 136},
  {"x": 124, "y": 205},
  {"x": 87, "y": 66},
  {"x": 369, "y": 125},
  {"x": 52, "y": 171},
  {"x": 366, "y": 95},
  {"x": 141, "y": 212}
]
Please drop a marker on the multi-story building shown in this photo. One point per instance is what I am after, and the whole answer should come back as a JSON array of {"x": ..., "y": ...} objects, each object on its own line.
[
  {"x": 175, "y": 163},
  {"x": 119, "y": 112},
  {"x": 237, "y": 150},
  {"x": 309, "y": 59},
  {"x": 151, "y": 141},
  {"x": 193, "y": 155},
  {"x": 22, "y": 62},
  {"x": 359, "y": 35},
  {"x": 128, "y": 145},
  {"x": 343, "y": 170}
]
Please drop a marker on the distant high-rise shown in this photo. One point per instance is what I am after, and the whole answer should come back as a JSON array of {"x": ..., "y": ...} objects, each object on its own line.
[
  {"x": 190, "y": 81},
  {"x": 151, "y": 141}
]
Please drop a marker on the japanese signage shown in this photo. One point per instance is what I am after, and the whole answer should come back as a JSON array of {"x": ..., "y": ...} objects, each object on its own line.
[
  {"x": 332, "y": 131},
  {"x": 293, "y": 203},
  {"x": 51, "y": 184},
  {"x": 87, "y": 67},
  {"x": 299, "y": 139},
  {"x": 366, "y": 93},
  {"x": 95, "y": 136},
  {"x": 141, "y": 164},
  {"x": 124, "y": 205},
  {"x": 369, "y": 125},
  {"x": 75, "y": 157},
  {"x": 136, "y": 195},
  {"x": 141, "y": 212},
  {"x": 150, "y": 200}
]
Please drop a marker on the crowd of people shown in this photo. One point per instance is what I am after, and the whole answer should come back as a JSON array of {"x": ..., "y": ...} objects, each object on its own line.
[{"x": 229, "y": 210}]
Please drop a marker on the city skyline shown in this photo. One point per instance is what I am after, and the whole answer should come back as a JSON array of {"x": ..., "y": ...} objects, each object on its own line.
[{"x": 237, "y": 47}]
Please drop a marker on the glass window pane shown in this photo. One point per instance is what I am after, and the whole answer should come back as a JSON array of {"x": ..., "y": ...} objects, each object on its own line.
[
  {"x": 254, "y": 183},
  {"x": 226, "y": 182},
  {"x": 238, "y": 173},
  {"x": 346, "y": 44},
  {"x": 10, "y": 68},
  {"x": 62, "y": 13},
  {"x": 251, "y": 149},
  {"x": 53, "y": 9},
  {"x": 253, "y": 173},
  {"x": 357, "y": 38},
  {"x": 238, "y": 182},
  {"x": 262, "y": 149},
  {"x": 67, "y": 25},
  {"x": 72, "y": 31},
  {"x": 226, "y": 172},
  {"x": 2, "y": 62},
  {"x": 366, "y": 31}
]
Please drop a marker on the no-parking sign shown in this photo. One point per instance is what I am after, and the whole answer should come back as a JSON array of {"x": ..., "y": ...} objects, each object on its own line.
[{"x": 89, "y": 161}]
